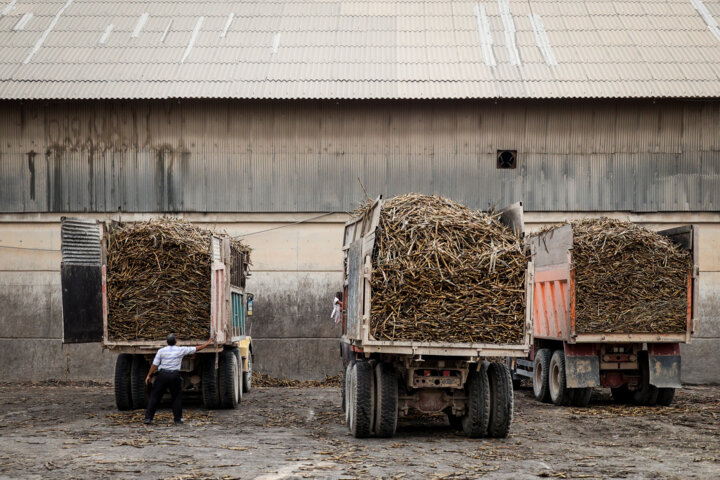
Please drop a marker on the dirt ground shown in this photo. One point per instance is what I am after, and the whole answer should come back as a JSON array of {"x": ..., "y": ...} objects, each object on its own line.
[{"x": 74, "y": 431}]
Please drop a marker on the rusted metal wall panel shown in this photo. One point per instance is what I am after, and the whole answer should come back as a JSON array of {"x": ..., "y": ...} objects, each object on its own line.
[{"x": 197, "y": 156}]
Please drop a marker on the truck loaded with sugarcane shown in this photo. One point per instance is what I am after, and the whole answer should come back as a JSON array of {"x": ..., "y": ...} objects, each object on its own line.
[
  {"x": 435, "y": 297},
  {"x": 130, "y": 285},
  {"x": 613, "y": 301}
]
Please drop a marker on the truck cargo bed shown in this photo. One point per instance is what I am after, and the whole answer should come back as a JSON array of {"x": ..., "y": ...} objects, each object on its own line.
[
  {"x": 555, "y": 293},
  {"x": 359, "y": 241}
]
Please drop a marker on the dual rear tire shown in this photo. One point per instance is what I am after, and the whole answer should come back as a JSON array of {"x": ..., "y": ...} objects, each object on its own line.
[
  {"x": 490, "y": 402},
  {"x": 221, "y": 386},
  {"x": 131, "y": 392},
  {"x": 549, "y": 381},
  {"x": 370, "y": 399}
]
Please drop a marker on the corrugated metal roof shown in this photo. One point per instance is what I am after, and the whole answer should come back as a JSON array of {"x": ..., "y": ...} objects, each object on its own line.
[{"x": 359, "y": 49}]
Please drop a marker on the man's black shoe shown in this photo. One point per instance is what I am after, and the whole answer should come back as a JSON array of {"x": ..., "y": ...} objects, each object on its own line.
[
  {"x": 179, "y": 422},
  {"x": 147, "y": 422}
]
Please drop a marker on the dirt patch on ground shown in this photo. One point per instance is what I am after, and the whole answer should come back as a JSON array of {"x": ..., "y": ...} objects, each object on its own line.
[{"x": 74, "y": 431}]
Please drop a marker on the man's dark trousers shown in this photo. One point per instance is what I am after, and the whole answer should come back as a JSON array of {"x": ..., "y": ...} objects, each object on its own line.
[{"x": 163, "y": 381}]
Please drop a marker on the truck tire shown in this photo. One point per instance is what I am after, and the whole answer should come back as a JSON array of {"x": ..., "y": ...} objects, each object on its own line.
[
  {"x": 476, "y": 418},
  {"x": 516, "y": 379},
  {"x": 140, "y": 390},
  {"x": 665, "y": 396},
  {"x": 209, "y": 378},
  {"x": 622, "y": 394},
  {"x": 349, "y": 379},
  {"x": 240, "y": 373},
  {"x": 123, "y": 392},
  {"x": 501, "y": 400},
  {"x": 454, "y": 421},
  {"x": 541, "y": 367},
  {"x": 386, "y": 400},
  {"x": 559, "y": 393},
  {"x": 362, "y": 400},
  {"x": 247, "y": 376},
  {"x": 647, "y": 394},
  {"x": 580, "y": 397},
  {"x": 229, "y": 379},
  {"x": 343, "y": 381}
]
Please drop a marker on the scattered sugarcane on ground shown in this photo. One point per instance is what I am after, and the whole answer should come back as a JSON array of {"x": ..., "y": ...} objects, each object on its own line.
[
  {"x": 69, "y": 430},
  {"x": 158, "y": 280},
  {"x": 628, "y": 279},
  {"x": 444, "y": 272},
  {"x": 265, "y": 380}
]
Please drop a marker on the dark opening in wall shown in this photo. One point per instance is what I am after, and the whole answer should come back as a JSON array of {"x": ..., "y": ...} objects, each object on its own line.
[{"x": 507, "y": 159}]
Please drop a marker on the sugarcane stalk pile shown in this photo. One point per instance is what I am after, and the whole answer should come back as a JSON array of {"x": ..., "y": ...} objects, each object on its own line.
[
  {"x": 158, "y": 280},
  {"x": 628, "y": 279},
  {"x": 445, "y": 273}
]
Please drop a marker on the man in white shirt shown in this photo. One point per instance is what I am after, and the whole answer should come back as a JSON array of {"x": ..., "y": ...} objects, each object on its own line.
[{"x": 167, "y": 363}]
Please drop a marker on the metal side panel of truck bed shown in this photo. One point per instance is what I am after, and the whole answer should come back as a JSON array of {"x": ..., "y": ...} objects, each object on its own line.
[{"x": 359, "y": 241}]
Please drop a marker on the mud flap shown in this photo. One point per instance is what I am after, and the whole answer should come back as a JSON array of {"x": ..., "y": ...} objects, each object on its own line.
[
  {"x": 582, "y": 371},
  {"x": 665, "y": 371}
]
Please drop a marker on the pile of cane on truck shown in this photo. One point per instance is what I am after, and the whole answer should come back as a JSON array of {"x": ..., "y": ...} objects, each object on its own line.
[
  {"x": 628, "y": 279},
  {"x": 446, "y": 273},
  {"x": 158, "y": 280}
]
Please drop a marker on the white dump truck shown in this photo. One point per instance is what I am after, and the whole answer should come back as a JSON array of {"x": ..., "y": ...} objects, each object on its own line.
[{"x": 383, "y": 379}]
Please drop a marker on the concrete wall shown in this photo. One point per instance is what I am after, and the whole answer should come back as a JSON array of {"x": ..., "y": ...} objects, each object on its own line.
[{"x": 297, "y": 269}]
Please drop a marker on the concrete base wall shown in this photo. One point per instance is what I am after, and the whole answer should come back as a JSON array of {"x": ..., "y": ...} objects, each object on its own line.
[{"x": 296, "y": 270}]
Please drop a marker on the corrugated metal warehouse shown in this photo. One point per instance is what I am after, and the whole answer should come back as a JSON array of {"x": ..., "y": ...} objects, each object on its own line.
[{"x": 264, "y": 118}]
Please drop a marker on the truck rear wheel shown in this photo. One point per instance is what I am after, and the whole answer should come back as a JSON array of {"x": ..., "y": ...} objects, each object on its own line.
[
  {"x": 247, "y": 376},
  {"x": 647, "y": 394},
  {"x": 349, "y": 375},
  {"x": 210, "y": 390},
  {"x": 240, "y": 373},
  {"x": 123, "y": 393},
  {"x": 559, "y": 393},
  {"x": 454, "y": 421},
  {"x": 140, "y": 390},
  {"x": 580, "y": 397},
  {"x": 361, "y": 400},
  {"x": 622, "y": 394},
  {"x": 665, "y": 396},
  {"x": 230, "y": 388},
  {"x": 541, "y": 367},
  {"x": 501, "y": 400},
  {"x": 476, "y": 418},
  {"x": 343, "y": 382},
  {"x": 386, "y": 400}
]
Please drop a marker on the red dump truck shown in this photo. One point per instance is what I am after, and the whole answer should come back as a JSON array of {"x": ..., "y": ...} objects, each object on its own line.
[
  {"x": 565, "y": 365},
  {"x": 384, "y": 379},
  {"x": 219, "y": 374}
]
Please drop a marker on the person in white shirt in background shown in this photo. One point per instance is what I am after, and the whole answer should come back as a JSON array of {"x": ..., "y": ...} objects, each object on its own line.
[
  {"x": 336, "y": 314},
  {"x": 167, "y": 363}
]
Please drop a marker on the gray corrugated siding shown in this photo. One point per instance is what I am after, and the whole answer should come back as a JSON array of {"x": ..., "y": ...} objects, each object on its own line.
[{"x": 166, "y": 156}]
